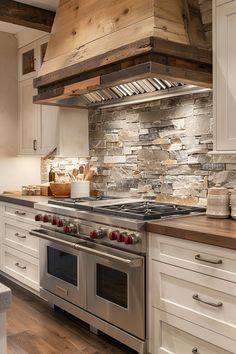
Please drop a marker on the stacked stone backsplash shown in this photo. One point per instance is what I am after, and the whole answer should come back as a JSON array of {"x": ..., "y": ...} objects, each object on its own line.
[{"x": 159, "y": 150}]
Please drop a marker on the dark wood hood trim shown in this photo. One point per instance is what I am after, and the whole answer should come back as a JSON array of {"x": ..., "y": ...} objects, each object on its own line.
[
  {"x": 151, "y": 57},
  {"x": 144, "y": 46}
]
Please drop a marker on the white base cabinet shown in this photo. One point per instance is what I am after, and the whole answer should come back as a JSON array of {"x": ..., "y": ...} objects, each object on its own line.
[
  {"x": 19, "y": 250},
  {"x": 192, "y": 305},
  {"x": 174, "y": 335}
]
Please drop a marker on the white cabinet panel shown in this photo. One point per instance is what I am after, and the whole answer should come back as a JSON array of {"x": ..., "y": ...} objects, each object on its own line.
[
  {"x": 204, "y": 300},
  {"x": 29, "y": 115},
  {"x": 172, "y": 335},
  {"x": 73, "y": 133},
  {"x": 211, "y": 260},
  {"x": 20, "y": 266},
  {"x": 224, "y": 76}
]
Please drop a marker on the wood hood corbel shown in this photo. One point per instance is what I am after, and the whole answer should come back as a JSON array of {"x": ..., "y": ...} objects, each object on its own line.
[{"x": 107, "y": 51}]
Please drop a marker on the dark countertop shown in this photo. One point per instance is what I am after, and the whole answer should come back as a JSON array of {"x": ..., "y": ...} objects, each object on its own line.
[
  {"x": 24, "y": 200},
  {"x": 199, "y": 228}
]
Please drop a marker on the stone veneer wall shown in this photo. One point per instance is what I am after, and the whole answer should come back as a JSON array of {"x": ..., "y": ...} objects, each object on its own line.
[{"x": 159, "y": 150}]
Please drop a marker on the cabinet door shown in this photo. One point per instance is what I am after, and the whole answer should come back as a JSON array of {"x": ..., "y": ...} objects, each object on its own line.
[
  {"x": 225, "y": 73},
  {"x": 29, "y": 115},
  {"x": 41, "y": 50},
  {"x": 28, "y": 62},
  {"x": 47, "y": 129},
  {"x": 73, "y": 132}
]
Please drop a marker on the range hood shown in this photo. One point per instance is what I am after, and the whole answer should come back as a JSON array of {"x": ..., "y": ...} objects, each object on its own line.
[{"x": 120, "y": 52}]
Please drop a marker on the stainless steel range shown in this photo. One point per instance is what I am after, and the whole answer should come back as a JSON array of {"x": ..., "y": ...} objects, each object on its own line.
[{"x": 93, "y": 261}]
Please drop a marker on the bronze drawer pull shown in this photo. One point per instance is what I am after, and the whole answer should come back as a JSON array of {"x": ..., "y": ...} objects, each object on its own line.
[
  {"x": 19, "y": 266},
  {"x": 19, "y": 236},
  {"x": 195, "y": 351},
  {"x": 197, "y": 298},
  {"x": 35, "y": 145},
  {"x": 20, "y": 213},
  {"x": 199, "y": 258}
]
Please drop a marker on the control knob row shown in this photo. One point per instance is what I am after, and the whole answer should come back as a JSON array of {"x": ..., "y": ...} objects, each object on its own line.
[
  {"x": 128, "y": 239},
  {"x": 68, "y": 227}
]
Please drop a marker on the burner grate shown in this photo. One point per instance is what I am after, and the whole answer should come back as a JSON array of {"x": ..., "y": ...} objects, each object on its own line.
[{"x": 147, "y": 210}]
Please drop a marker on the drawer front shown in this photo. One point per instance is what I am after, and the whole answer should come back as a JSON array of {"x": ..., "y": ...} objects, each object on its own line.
[
  {"x": 172, "y": 335},
  {"x": 19, "y": 238},
  {"x": 21, "y": 267},
  {"x": 204, "y": 300},
  {"x": 215, "y": 261},
  {"x": 19, "y": 213}
]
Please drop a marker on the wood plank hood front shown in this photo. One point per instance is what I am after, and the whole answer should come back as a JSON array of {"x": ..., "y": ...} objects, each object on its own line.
[{"x": 104, "y": 50}]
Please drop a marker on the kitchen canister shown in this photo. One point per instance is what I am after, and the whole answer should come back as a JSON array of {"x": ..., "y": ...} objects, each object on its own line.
[
  {"x": 80, "y": 189},
  {"x": 233, "y": 203},
  {"x": 218, "y": 202}
]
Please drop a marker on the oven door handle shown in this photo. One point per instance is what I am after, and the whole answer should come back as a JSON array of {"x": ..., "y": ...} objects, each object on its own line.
[
  {"x": 133, "y": 262},
  {"x": 53, "y": 239}
]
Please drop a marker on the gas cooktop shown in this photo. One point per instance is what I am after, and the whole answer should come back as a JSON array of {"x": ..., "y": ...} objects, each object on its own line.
[
  {"x": 132, "y": 209},
  {"x": 147, "y": 210}
]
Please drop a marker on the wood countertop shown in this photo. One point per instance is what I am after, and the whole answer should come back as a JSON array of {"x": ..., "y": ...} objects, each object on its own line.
[{"x": 199, "y": 228}]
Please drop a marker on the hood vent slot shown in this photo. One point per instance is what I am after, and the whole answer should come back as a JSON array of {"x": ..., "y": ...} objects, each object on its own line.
[{"x": 130, "y": 89}]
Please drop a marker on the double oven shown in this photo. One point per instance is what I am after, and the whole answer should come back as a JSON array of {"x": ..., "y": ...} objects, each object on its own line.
[{"x": 105, "y": 282}]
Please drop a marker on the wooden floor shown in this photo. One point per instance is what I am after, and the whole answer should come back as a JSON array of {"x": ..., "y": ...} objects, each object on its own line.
[{"x": 34, "y": 328}]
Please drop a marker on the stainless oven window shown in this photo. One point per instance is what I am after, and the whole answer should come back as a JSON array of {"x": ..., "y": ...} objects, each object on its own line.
[
  {"x": 112, "y": 285},
  {"x": 62, "y": 265}
]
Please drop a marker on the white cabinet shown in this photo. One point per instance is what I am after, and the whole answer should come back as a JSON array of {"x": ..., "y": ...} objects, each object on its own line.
[
  {"x": 19, "y": 250},
  {"x": 224, "y": 52},
  {"x": 27, "y": 61},
  {"x": 37, "y": 124},
  {"x": 173, "y": 335},
  {"x": 44, "y": 128},
  {"x": 192, "y": 304}
]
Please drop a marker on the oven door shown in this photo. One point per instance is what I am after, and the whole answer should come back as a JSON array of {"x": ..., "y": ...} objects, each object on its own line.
[
  {"x": 62, "y": 272},
  {"x": 116, "y": 290}
]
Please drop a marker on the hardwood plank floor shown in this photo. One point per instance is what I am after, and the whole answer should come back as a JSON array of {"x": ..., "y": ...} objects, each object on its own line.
[{"x": 34, "y": 328}]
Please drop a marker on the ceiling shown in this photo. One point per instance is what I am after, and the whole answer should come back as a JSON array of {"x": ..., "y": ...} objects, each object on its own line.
[{"x": 44, "y": 4}]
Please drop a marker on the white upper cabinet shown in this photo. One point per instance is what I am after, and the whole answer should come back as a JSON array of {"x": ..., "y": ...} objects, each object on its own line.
[
  {"x": 27, "y": 61},
  {"x": 44, "y": 128},
  {"x": 224, "y": 76}
]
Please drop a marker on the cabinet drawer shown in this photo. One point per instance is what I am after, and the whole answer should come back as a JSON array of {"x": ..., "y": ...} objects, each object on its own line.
[
  {"x": 19, "y": 238},
  {"x": 204, "y": 300},
  {"x": 21, "y": 267},
  {"x": 19, "y": 213},
  {"x": 172, "y": 335},
  {"x": 211, "y": 260}
]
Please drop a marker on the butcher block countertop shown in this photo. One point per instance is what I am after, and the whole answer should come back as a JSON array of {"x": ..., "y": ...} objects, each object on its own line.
[{"x": 199, "y": 228}]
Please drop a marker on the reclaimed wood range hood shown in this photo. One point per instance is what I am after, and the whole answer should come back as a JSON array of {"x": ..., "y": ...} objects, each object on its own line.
[{"x": 112, "y": 52}]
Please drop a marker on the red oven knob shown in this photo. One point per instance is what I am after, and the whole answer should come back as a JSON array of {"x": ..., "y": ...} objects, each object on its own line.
[
  {"x": 54, "y": 220},
  {"x": 67, "y": 229},
  {"x": 70, "y": 228},
  {"x": 46, "y": 218},
  {"x": 121, "y": 237},
  {"x": 60, "y": 223},
  {"x": 113, "y": 235},
  {"x": 131, "y": 239},
  {"x": 93, "y": 234},
  {"x": 38, "y": 217}
]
